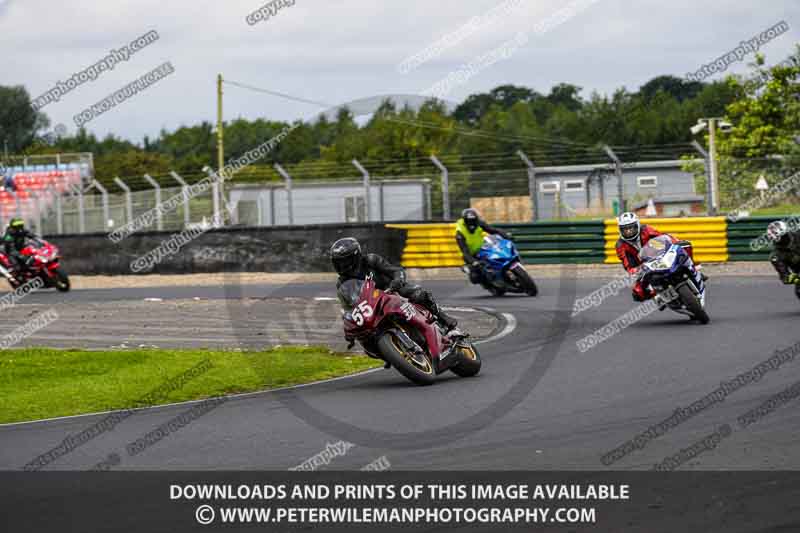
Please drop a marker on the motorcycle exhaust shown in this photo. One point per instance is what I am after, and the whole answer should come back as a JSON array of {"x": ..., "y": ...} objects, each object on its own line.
[{"x": 6, "y": 273}]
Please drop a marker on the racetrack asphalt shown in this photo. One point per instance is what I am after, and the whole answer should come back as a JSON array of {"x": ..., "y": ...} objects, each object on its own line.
[{"x": 538, "y": 403}]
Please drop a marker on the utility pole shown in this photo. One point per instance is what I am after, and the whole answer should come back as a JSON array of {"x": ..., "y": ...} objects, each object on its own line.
[
  {"x": 712, "y": 149},
  {"x": 220, "y": 133},
  {"x": 712, "y": 124},
  {"x": 618, "y": 172},
  {"x": 707, "y": 164},
  {"x": 220, "y": 143}
]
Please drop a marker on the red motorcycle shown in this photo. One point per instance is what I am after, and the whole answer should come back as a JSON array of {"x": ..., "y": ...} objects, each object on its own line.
[
  {"x": 45, "y": 266},
  {"x": 403, "y": 334}
]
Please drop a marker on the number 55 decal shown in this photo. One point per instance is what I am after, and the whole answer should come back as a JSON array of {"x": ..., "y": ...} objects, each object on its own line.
[{"x": 362, "y": 311}]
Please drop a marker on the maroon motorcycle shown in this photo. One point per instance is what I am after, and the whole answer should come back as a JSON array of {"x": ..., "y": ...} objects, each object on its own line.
[
  {"x": 403, "y": 334},
  {"x": 45, "y": 266}
]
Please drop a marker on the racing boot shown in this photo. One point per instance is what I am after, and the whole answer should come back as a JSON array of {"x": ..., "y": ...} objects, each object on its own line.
[{"x": 446, "y": 321}]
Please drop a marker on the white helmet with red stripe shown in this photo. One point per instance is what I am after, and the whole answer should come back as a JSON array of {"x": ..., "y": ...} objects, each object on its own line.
[{"x": 629, "y": 226}]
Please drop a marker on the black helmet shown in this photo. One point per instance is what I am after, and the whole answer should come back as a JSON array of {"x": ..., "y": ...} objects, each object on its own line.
[
  {"x": 16, "y": 226},
  {"x": 471, "y": 218},
  {"x": 346, "y": 255}
]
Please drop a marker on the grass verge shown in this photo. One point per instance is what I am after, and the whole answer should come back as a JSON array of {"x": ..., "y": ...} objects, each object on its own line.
[{"x": 38, "y": 383}]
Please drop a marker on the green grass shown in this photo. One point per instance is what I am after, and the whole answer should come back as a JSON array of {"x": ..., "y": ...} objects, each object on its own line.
[
  {"x": 778, "y": 210},
  {"x": 40, "y": 383}
]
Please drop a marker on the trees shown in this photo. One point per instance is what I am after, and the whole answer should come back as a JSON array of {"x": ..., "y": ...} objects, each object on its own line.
[
  {"x": 766, "y": 120},
  {"x": 19, "y": 123}
]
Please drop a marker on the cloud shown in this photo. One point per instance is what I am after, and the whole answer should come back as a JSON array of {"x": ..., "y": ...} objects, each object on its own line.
[{"x": 346, "y": 50}]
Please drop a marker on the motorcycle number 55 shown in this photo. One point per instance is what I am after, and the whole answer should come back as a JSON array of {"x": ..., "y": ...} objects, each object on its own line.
[{"x": 363, "y": 310}]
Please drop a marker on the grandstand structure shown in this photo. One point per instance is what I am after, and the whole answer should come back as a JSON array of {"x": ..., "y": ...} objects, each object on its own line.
[{"x": 32, "y": 186}]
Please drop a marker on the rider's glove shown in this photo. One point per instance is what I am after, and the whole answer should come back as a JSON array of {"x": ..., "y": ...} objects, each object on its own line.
[
  {"x": 475, "y": 264},
  {"x": 792, "y": 279},
  {"x": 396, "y": 285}
]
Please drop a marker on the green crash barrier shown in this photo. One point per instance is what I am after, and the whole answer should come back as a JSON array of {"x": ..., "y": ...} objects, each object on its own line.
[
  {"x": 434, "y": 245},
  {"x": 746, "y": 238}
]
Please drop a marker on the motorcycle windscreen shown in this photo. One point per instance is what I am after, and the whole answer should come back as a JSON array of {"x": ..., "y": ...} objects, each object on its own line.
[
  {"x": 494, "y": 247},
  {"x": 349, "y": 293},
  {"x": 656, "y": 247}
]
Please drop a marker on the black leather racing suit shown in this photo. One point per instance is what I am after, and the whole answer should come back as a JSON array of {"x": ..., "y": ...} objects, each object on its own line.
[
  {"x": 384, "y": 273},
  {"x": 786, "y": 255},
  {"x": 13, "y": 243}
]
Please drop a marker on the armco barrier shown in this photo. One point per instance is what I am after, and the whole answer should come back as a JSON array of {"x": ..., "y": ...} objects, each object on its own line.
[
  {"x": 559, "y": 242},
  {"x": 708, "y": 235},
  {"x": 744, "y": 231},
  {"x": 434, "y": 245}
]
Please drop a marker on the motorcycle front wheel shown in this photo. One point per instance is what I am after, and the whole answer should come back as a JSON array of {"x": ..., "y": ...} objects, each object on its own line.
[
  {"x": 418, "y": 368},
  {"x": 692, "y": 303},
  {"x": 61, "y": 280},
  {"x": 525, "y": 281},
  {"x": 470, "y": 361}
]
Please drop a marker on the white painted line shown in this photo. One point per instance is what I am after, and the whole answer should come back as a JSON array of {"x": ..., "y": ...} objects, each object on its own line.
[
  {"x": 511, "y": 325},
  {"x": 325, "y": 299}
]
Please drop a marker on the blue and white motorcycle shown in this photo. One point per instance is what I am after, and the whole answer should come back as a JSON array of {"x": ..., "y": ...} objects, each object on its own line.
[
  {"x": 502, "y": 268},
  {"x": 668, "y": 269}
]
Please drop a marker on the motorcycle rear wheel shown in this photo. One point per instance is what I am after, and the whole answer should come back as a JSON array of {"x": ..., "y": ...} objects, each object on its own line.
[
  {"x": 470, "y": 363},
  {"x": 692, "y": 303},
  {"x": 396, "y": 354}
]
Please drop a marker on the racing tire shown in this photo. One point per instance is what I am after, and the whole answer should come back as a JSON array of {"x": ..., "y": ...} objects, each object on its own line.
[
  {"x": 692, "y": 303},
  {"x": 395, "y": 354},
  {"x": 470, "y": 361},
  {"x": 525, "y": 281},
  {"x": 61, "y": 280}
]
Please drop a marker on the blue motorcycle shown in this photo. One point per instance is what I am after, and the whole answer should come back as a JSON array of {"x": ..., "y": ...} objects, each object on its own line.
[
  {"x": 668, "y": 269},
  {"x": 501, "y": 269}
]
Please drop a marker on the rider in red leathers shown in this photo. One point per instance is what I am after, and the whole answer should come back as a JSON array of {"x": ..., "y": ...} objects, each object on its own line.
[{"x": 633, "y": 237}]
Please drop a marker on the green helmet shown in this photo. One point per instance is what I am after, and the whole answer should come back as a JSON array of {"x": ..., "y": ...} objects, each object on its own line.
[{"x": 16, "y": 226}]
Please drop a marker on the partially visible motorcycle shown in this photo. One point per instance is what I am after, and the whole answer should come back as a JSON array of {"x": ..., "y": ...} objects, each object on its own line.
[
  {"x": 404, "y": 334},
  {"x": 668, "y": 269},
  {"x": 502, "y": 268},
  {"x": 45, "y": 265}
]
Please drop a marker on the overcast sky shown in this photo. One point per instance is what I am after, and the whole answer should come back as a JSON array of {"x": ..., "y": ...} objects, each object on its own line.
[{"x": 340, "y": 50}]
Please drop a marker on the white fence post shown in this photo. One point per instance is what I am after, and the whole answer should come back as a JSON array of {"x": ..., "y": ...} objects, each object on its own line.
[
  {"x": 128, "y": 199},
  {"x": 185, "y": 193},
  {"x": 445, "y": 187},
  {"x": 290, "y": 203},
  {"x": 532, "y": 185},
  {"x": 104, "y": 198},
  {"x": 365, "y": 174},
  {"x": 157, "y": 188}
]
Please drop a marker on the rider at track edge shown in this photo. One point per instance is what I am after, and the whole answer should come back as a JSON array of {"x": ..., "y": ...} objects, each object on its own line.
[
  {"x": 470, "y": 230},
  {"x": 633, "y": 236},
  {"x": 14, "y": 241},
  {"x": 785, "y": 256},
  {"x": 350, "y": 263}
]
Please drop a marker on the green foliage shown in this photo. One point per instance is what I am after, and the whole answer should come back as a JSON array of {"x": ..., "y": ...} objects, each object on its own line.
[
  {"x": 560, "y": 127},
  {"x": 766, "y": 118}
]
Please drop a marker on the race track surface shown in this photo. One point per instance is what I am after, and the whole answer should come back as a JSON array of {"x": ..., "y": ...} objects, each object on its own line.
[{"x": 539, "y": 402}]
